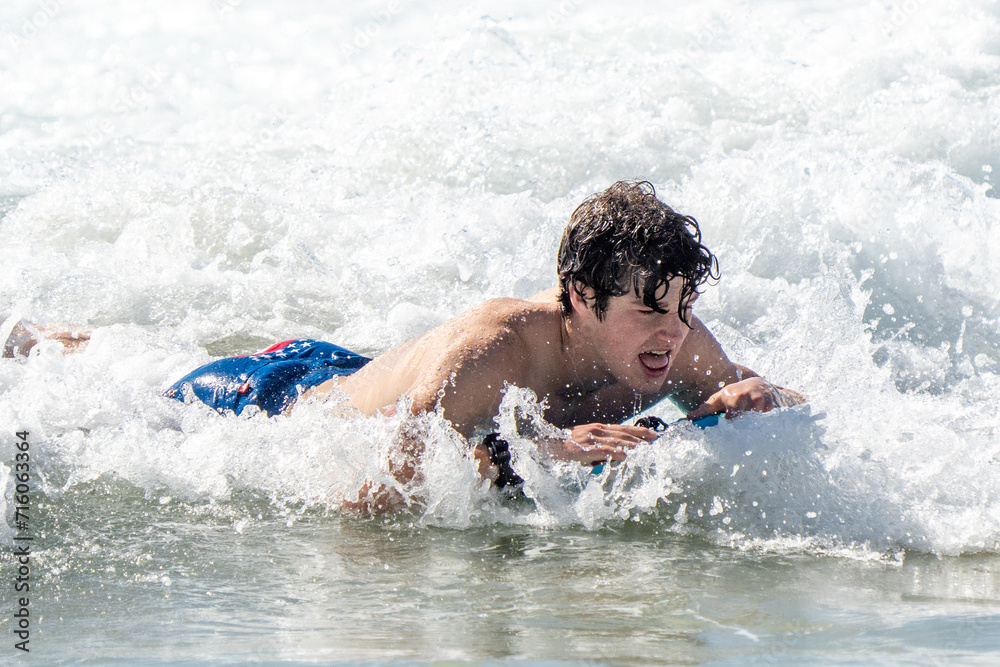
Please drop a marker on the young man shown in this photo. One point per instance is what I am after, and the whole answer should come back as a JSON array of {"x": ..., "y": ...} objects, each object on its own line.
[{"x": 616, "y": 336}]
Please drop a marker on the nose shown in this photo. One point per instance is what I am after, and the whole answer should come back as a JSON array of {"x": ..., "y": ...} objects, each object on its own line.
[{"x": 671, "y": 328}]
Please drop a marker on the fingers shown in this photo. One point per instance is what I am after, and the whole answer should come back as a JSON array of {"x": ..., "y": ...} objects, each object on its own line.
[
  {"x": 614, "y": 432},
  {"x": 713, "y": 406},
  {"x": 754, "y": 394},
  {"x": 592, "y": 434},
  {"x": 744, "y": 403},
  {"x": 764, "y": 397},
  {"x": 375, "y": 501},
  {"x": 601, "y": 453},
  {"x": 597, "y": 451},
  {"x": 641, "y": 432},
  {"x": 594, "y": 443},
  {"x": 789, "y": 397}
]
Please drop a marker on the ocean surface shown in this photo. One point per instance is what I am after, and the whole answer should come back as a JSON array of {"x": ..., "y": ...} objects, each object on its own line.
[{"x": 198, "y": 178}]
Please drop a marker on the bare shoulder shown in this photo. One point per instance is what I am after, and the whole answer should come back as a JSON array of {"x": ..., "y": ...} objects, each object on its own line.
[
  {"x": 500, "y": 331},
  {"x": 462, "y": 364},
  {"x": 475, "y": 355},
  {"x": 550, "y": 295},
  {"x": 503, "y": 308}
]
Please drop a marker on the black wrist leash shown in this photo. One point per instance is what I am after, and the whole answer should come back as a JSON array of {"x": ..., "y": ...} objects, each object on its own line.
[
  {"x": 652, "y": 423},
  {"x": 499, "y": 453}
]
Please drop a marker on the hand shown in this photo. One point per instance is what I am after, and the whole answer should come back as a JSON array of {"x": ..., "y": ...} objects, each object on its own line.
[
  {"x": 483, "y": 464},
  {"x": 751, "y": 394},
  {"x": 374, "y": 501},
  {"x": 597, "y": 443}
]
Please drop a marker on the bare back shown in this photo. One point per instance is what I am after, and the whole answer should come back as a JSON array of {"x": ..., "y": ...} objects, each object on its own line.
[{"x": 465, "y": 362}]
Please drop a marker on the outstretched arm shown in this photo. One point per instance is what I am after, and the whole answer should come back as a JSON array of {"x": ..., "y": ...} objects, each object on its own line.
[
  {"x": 753, "y": 393},
  {"x": 708, "y": 383}
]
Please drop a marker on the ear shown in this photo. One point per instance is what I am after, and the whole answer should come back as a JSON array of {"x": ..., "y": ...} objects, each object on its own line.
[{"x": 580, "y": 303}]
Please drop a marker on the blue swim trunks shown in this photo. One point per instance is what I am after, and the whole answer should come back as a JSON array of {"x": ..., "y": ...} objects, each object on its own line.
[{"x": 271, "y": 379}]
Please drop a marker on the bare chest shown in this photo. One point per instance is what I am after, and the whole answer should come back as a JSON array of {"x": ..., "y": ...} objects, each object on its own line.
[{"x": 605, "y": 406}]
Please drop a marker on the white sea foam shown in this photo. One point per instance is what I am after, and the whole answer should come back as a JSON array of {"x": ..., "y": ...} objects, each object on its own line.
[{"x": 205, "y": 179}]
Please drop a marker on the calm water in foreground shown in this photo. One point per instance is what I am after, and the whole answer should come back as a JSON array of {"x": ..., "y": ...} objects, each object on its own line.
[{"x": 173, "y": 582}]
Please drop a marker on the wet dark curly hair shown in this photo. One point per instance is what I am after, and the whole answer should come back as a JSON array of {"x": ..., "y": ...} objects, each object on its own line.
[{"x": 625, "y": 239}]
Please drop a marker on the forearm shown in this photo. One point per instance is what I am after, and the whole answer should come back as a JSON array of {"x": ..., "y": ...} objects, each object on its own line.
[{"x": 404, "y": 467}]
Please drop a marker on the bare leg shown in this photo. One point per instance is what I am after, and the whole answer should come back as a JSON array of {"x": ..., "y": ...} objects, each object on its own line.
[
  {"x": 73, "y": 339},
  {"x": 25, "y": 335}
]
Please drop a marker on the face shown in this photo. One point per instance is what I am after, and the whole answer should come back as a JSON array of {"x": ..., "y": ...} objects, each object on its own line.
[{"x": 634, "y": 343}]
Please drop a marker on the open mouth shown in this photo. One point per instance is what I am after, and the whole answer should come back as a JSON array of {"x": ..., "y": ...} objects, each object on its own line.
[{"x": 655, "y": 361}]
